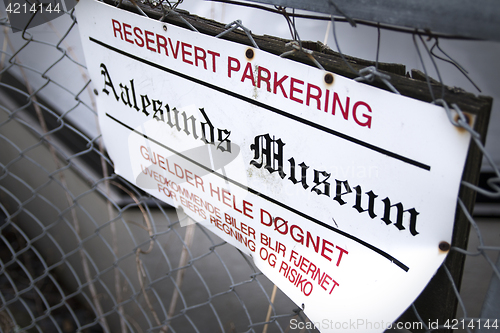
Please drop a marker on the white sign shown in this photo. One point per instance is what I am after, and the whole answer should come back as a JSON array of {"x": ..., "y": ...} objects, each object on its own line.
[{"x": 339, "y": 191}]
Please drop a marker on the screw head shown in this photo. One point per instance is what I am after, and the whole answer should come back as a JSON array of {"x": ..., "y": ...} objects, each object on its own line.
[
  {"x": 444, "y": 246},
  {"x": 96, "y": 92},
  {"x": 164, "y": 27},
  {"x": 328, "y": 78},
  {"x": 249, "y": 54}
]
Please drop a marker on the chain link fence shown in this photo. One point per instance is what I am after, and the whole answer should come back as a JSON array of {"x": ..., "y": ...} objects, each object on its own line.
[{"x": 82, "y": 250}]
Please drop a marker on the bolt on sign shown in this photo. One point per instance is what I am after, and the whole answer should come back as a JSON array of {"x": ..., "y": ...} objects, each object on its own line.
[{"x": 340, "y": 192}]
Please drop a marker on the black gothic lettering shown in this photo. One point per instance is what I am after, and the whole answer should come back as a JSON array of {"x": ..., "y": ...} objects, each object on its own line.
[
  {"x": 339, "y": 194},
  {"x": 193, "y": 124},
  {"x": 399, "y": 216},
  {"x": 126, "y": 101},
  {"x": 158, "y": 112},
  {"x": 144, "y": 100},
  {"x": 326, "y": 188},
  {"x": 303, "y": 168},
  {"x": 211, "y": 136},
  {"x": 157, "y": 109},
  {"x": 371, "y": 202},
  {"x": 270, "y": 153},
  {"x": 224, "y": 140},
  {"x": 108, "y": 82}
]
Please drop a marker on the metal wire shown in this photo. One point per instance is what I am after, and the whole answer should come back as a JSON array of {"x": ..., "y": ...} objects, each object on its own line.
[
  {"x": 343, "y": 19},
  {"x": 151, "y": 274}
]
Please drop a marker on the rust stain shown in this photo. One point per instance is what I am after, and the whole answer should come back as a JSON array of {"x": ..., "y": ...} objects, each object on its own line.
[
  {"x": 329, "y": 78},
  {"x": 444, "y": 246},
  {"x": 468, "y": 117}
]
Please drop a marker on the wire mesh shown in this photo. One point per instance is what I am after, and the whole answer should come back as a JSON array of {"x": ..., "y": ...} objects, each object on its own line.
[{"x": 82, "y": 250}]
